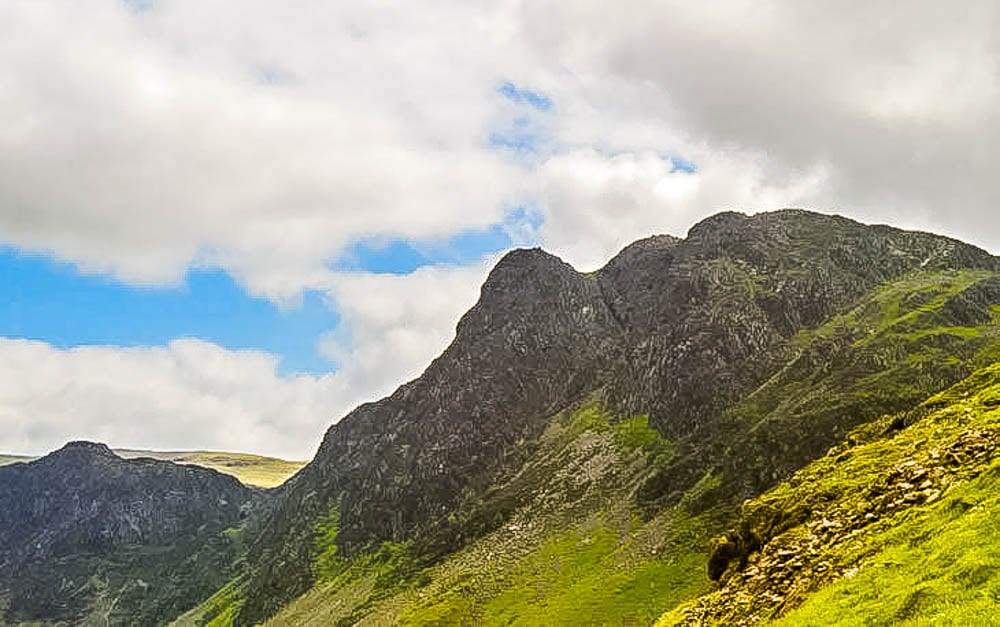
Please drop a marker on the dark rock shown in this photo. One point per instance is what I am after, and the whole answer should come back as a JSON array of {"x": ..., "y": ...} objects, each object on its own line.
[{"x": 82, "y": 523}]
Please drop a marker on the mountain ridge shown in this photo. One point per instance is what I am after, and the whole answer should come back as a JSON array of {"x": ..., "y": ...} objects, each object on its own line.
[
  {"x": 253, "y": 470},
  {"x": 683, "y": 329}
]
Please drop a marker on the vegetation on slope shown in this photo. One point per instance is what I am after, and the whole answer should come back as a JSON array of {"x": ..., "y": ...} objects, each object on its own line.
[
  {"x": 572, "y": 548},
  {"x": 895, "y": 526},
  {"x": 940, "y": 566},
  {"x": 903, "y": 342},
  {"x": 252, "y": 470}
]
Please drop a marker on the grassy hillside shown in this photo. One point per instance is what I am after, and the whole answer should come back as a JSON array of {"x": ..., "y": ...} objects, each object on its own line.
[
  {"x": 14, "y": 459},
  {"x": 573, "y": 551},
  {"x": 252, "y": 470},
  {"x": 897, "y": 526}
]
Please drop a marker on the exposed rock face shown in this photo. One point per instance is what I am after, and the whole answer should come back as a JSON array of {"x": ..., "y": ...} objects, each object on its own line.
[
  {"x": 540, "y": 337},
  {"x": 678, "y": 329},
  {"x": 709, "y": 317},
  {"x": 83, "y": 531}
]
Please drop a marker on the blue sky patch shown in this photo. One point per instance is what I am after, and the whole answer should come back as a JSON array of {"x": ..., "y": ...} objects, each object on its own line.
[
  {"x": 41, "y": 299},
  {"x": 523, "y": 95},
  {"x": 523, "y": 137},
  {"x": 401, "y": 256},
  {"x": 51, "y": 301},
  {"x": 679, "y": 164}
]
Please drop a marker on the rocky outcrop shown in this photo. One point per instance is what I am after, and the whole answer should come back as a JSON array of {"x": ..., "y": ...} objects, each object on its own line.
[
  {"x": 709, "y": 318},
  {"x": 84, "y": 532},
  {"x": 787, "y": 547}
]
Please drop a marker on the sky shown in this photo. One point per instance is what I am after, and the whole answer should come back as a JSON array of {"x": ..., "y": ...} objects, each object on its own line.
[{"x": 223, "y": 225}]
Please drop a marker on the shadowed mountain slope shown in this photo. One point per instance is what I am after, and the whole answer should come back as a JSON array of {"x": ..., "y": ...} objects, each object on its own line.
[{"x": 85, "y": 534}]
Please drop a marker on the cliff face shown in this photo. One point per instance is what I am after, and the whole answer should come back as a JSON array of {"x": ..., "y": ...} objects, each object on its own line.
[
  {"x": 540, "y": 337},
  {"x": 681, "y": 330},
  {"x": 84, "y": 532}
]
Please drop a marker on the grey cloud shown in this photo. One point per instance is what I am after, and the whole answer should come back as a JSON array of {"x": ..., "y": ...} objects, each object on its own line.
[{"x": 897, "y": 103}]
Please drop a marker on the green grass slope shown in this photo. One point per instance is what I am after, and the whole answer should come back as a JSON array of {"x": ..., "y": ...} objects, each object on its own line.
[
  {"x": 573, "y": 549},
  {"x": 897, "y": 526},
  {"x": 252, "y": 470}
]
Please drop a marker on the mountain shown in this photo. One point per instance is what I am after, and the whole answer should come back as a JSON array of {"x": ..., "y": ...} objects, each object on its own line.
[
  {"x": 574, "y": 450},
  {"x": 87, "y": 536},
  {"x": 780, "y": 417},
  {"x": 253, "y": 470}
]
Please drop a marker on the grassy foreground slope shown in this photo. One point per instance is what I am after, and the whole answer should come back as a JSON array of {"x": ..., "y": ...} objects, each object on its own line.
[
  {"x": 252, "y": 470},
  {"x": 897, "y": 526}
]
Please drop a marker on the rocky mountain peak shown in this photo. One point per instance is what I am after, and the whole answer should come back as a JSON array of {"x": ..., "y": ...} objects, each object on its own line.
[
  {"x": 717, "y": 226},
  {"x": 522, "y": 278},
  {"x": 676, "y": 330},
  {"x": 83, "y": 448}
]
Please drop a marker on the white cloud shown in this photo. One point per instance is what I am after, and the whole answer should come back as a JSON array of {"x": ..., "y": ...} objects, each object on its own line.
[
  {"x": 895, "y": 104},
  {"x": 596, "y": 204},
  {"x": 393, "y": 326},
  {"x": 193, "y": 394},
  {"x": 264, "y": 138},
  {"x": 188, "y": 395}
]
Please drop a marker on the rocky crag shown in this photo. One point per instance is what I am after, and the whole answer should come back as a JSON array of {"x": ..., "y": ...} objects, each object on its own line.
[{"x": 86, "y": 536}]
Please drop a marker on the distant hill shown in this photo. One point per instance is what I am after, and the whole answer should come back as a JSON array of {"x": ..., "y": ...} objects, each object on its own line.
[
  {"x": 253, "y": 470},
  {"x": 87, "y": 536}
]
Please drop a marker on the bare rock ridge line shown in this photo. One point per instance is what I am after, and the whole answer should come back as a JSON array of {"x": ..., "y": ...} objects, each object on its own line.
[{"x": 676, "y": 329}]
